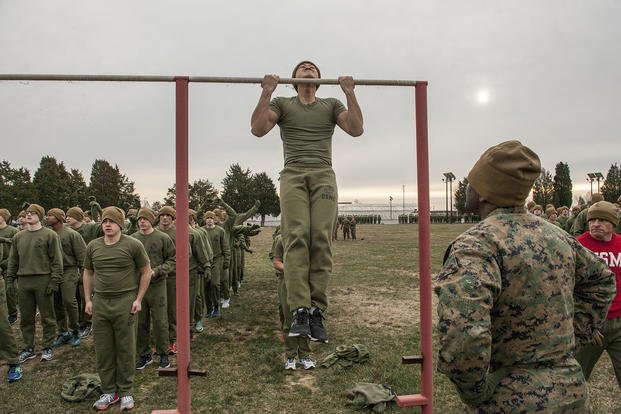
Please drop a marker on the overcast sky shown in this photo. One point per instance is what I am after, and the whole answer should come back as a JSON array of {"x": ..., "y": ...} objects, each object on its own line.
[{"x": 545, "y": 72}]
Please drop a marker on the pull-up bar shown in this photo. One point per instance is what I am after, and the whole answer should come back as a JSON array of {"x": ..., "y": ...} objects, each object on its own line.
[
  {"x": 183, "y": 371},
  {"x": 203, "y": 79}
]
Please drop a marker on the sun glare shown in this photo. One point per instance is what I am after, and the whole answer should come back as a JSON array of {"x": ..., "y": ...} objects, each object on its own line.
[{"x": 482, "y": 97}]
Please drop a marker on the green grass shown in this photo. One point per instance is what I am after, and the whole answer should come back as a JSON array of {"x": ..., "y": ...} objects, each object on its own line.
[{"x": 373, "y": 300}]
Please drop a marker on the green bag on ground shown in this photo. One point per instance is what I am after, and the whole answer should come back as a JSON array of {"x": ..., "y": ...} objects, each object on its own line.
[
  {"x": 368, "y": 395},
  {"x": 81, "y": 387},
  {"x": 346, "y": 356}
]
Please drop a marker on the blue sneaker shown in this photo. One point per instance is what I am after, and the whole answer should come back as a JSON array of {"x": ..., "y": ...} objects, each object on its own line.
[
  {"x": 14, "y": 374},
  {"x": 199, "y": 326},
  {"x": 75, "y": 340}
]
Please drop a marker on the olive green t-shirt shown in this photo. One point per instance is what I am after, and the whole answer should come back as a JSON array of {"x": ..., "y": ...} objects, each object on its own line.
[
  {"x": 117, "y": 266},
  {"x": 306, "y": 130}
]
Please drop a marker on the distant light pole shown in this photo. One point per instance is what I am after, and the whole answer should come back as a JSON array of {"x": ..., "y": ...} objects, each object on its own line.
[
  {"x": 595, "y": 176},
  {"x": 390, "y": 201},
  {"x": 448, "y": 180},
  {"x": 403, "y": 198}
]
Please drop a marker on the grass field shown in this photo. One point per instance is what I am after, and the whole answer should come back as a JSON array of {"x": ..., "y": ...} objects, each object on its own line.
[{"x": 374, "y": 301}]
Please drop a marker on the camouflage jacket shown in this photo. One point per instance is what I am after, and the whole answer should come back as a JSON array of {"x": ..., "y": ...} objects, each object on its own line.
[{"x": 515, "y": 293}]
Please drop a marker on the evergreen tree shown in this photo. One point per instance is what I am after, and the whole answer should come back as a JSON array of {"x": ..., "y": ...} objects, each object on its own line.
[
  {"x": 50, "y": 182},
  {"x": 265, "y": 191},
  {"x": 611, "y": 190},
  {"x": 200, "y": 194},
  {"x": 77, "y": 190},
  {"x": 562, "y": 186},
  {"x": 543, "y": 190},
  {"x": 111, "y": 188},
  {"x": 460, "y": 196},
  {"x": 15, "y": 188},
  {"x": 237, "y": 188},
  {"x": 127, "y": 193}
]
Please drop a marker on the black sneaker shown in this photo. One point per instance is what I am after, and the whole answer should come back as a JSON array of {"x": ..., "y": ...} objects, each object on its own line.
[
  {"x": 12, "y": 319},
  {"x": 299, "y": 325},
  {"x": 164, "y": 363},
  {"x": 144, "y": 361},
  {"x": 318, "y": 332}
]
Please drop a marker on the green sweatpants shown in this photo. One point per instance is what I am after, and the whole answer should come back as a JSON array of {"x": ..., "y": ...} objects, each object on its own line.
[
  {"x": 171, "y": 300},
  {"x": 308, "y": 204},
  {"x": 588, "y": 355},
  {"x": 225, "y": 279},
  {"x": 84, "y": 318},
  {"x": 294, "y": 346},
  {"x": 32, "y": 296},
  {"x": 68, "y": 304},
  {"x": 114, "y": 330},
  {"x": 154, "y": 310},
  {"x": 213, "y": 289},
  {"x": 8, "y": 346},
  {"x": 193, "y": 284},
  {"x": 11, "y": 296},
  {"x": 234, "y": 269},
  {"x": 199, "y": 309}
]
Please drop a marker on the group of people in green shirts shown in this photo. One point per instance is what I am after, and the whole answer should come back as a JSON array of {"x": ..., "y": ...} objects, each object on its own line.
[{"x": 115, "y": 278}]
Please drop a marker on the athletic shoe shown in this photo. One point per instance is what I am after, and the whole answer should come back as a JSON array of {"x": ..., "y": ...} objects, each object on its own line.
[
  {"x": 144, "y": 361},
  {"x": 300, "y": 326},
  {"x": 26, "y": 355},
  {"x": 199, "y": 326},
  {"x": 86, "y": 331},
  {"x": 14, "y": 374},
  {"x": 164, "y": 363},
  {"x": 75, "y": 340},
  {"x": 290, "y": 364},
  {"x": 172, "y": 348},
  {"x": 226, "y": 303},
  {"x": 307, "y": 363},
  {"x": 105, "y": 401},
  {"x": 62, "y": 339},
  {"x": 127, "y": 403},
  {"x": 318, "y": 332},
  {"x": 12, "y": 319},
  {"x": 46, "y": 355},
  {"x": 215, "y": 313}
]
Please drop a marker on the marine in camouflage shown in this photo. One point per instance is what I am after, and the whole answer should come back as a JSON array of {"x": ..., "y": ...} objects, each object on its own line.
[{"x": 515, "y": 294}]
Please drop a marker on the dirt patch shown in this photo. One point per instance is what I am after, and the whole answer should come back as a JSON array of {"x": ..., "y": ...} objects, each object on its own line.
[
  {"x": 302, "y": 379},
  {"x": 374, "y": 307}
]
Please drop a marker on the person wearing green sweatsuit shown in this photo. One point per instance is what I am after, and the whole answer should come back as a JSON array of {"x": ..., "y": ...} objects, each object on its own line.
[
  {"x": 36, "y": 259},
  {"x": 161, "y": 252},
  {"x": 11, "y": 285},
  {"x": 89, "y": 232},
  {"x": 196, "y": 318},
  {"x": 221, "y": 258},
  {"x": 8, "y": 345},
  {"x": 117, "y": 271},
  {"x": 73, "y": 248},
  {"x": 166, "y": 216},
  {"x": 200, "y": 263},
  {"x": 295, "y": 347},
  {"x": 227, "y": 219},
  {"x": 308, "y": 192}
]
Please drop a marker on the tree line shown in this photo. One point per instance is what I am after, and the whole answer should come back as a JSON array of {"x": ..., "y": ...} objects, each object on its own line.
[
  {"x": 556, "y": 190},
  {"x": 55, "y": 185}
]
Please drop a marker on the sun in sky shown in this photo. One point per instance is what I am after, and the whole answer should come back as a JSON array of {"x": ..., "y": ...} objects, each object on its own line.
[{"x": 482, "y": 97}]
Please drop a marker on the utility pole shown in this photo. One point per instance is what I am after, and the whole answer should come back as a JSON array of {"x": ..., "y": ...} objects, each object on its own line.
[
  {"x": 403, "y": 199},
  {"x": 448, "y": 181},
  {"x": 390, "y": 201}
]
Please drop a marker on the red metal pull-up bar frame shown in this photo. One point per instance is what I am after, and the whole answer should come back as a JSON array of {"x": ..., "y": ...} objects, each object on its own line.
[{"x": 183, "y": 372}]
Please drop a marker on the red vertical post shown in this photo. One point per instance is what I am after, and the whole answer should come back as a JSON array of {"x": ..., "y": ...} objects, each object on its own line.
[
  {"x": 424, "y": 244},
  {"x": 182, "y": 246}
]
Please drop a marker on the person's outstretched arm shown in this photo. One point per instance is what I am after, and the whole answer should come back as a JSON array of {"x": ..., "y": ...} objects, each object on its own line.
[{"x": 263, "y": 118}]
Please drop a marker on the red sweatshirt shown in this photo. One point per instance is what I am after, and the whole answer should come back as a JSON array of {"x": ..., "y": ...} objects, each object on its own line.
[{"x": 611, "y": 252}]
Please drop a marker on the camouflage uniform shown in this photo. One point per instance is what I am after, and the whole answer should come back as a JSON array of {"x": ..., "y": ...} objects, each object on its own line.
[{"x": 515, "y": 293}]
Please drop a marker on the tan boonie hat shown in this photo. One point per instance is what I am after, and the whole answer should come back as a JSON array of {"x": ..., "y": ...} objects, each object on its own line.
[
  {"x": 505, "y": 174},
  {"x": 603, "y": 210}
]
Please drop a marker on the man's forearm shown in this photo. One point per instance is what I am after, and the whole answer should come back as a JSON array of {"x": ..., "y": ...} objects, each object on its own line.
[
  {"x": 259, "y": 121},
  {"x": 145, "y": 279},
  {"x": 87, "y": 282},
  {"x": 355, "y": 119}
]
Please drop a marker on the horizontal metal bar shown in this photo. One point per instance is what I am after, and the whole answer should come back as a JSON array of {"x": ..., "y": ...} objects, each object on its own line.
[
  {"x": 201, "y": 79},
  {"x": 412, "y": 400},
  {"x": 412, "y": 359}
]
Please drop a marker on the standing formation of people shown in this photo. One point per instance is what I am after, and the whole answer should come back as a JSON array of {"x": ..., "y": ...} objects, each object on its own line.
[{"x": 114, "y": 277}]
